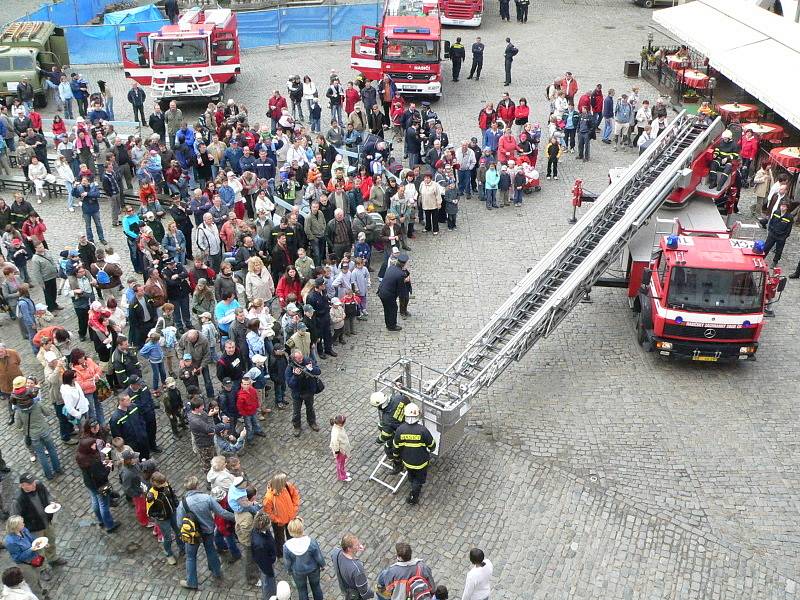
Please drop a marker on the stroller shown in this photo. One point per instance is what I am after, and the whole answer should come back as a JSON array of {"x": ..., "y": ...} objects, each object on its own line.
[{"x": 532, "y": 183}]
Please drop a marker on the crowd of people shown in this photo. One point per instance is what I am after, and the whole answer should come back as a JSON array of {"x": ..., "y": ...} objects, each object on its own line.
[{"x": 251, "y": 251}]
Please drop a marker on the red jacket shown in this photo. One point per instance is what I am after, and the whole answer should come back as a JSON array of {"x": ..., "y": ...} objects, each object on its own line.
[
  {"x": 570, "y": 87},
  {"x": 35, "y": 231},
  {"x": 58, "y": 128},
  {"x": 285, "y": 288},
  {"x": 224, "y": 526},
  {"x": 486, "y": 119},
  {"x": 586, "y": 101},
  {"x": 247, "y": 401},
  {"x": 597, "y": 101},
  {"x": 274, "y": 106},
  {"x": 507, "y": 148},
  {"x": 506, "y": 111},
  {"x": 351, "y": 96},
  {"x": 36, "y": 120},
  {"x": 521, "y": 112},
  {"x": 749, "y": 147}
]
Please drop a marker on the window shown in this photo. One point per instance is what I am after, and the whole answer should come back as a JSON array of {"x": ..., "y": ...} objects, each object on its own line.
[
  {"x": 23, "y": 63},
  {"x": 5, "y": 63},
  {"x": 180, "y": 52},
  {"x": 135, "y": 54},
  {"x": 715, "y": 290},
  {"x": 419, "y": 51}
]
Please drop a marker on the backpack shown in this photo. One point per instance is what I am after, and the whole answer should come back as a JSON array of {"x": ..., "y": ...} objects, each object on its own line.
[
  {"x": 102, "y": 277},
  {"x": 417, "y": 587},
  {"x": 189, "y": 530}
]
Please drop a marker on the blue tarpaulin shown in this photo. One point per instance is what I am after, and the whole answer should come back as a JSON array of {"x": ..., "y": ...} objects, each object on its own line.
[{"x": 139, "y": 14}]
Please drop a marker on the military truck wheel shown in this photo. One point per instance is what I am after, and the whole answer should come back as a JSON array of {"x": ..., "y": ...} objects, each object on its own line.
[{"x": 40, "y": 100}]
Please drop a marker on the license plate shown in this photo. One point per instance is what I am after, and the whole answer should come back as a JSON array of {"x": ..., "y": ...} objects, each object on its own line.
[
  {"x": 705, "y": 358},
  {"x": 181, "y": 88}
]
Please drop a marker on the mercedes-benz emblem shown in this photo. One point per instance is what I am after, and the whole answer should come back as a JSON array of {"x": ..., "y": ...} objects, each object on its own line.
[
  {"x": 710, "y": 333},
  {"x": 409, "y": 76}
]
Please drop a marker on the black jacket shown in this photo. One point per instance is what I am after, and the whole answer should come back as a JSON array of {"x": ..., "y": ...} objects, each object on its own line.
[
  {"x": 35, "y": 520},
  {"x": 95, "y": 475},
  {"x": 457, "y": 52},
  {"x": 157, "y": 124},
  {"x": 136, "y": 96},
  {"x": 780, "y": 226},
  {"x": 393, "y": 284},
  {"x": 176, "y": 288},
  {"x": 161, "y": 503},
  {"x": 413, "y": 445},
  {"x": 130, "y": 426}
]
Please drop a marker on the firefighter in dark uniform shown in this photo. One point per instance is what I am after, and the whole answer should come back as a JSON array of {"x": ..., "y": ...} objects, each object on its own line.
[
  {"x": 726, "y": 152},
  {"x": 413, "y": 445},
  {"x": 391, "y": 288},
  {"x": 391, "y": 411},
  {"x": 142, "y": 398},
  {"x": 779, "y": 228},
  {"x": 127, "y": 422},
  {"x": 457, "y": 55},
  {"x": 477, "y": 59}
]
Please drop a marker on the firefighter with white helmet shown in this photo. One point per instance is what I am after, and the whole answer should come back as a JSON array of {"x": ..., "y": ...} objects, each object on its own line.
[
  {"x": 413, "y": 444},
  {"x": 390, "y": 409}
]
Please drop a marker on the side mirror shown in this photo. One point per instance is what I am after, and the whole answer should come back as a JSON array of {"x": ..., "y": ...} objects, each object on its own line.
[
  {"x": 781, "y": 284},
  {"x": 647, "y": 275},
  {"x": 446, "y": 49}
]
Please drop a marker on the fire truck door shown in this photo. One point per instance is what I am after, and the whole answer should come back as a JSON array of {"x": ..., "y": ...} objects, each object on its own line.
[
  {"x": 136, "y": 61},
  {"x": 365, "y": 52}
]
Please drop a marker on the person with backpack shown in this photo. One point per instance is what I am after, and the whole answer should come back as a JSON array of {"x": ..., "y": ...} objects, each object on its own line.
[
  {"x": 408, "y": 578},
  {"x": 162, "y": 504},
  {"x": 195, "y": 518}
]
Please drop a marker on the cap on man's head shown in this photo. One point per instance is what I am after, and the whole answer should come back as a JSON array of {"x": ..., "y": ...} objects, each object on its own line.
[
  {"x": 227, "y": 381},
  {"x": 130, "y": 455},
  {"x": 187, "y": 356},
  {"x": 134, "y": 379},
  {"x": 27, "y": 478},
  {"x": 403, "y": 258}
]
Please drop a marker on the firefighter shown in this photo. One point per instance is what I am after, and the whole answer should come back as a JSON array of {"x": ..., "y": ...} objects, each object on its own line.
[
  {"x": 721, "y": 165},
  {"x": 391, "y": 411},
  {"x": 779, "y": 228},
  {"x": 457, "y": 55},
  {"x": 413, "y": 445}
]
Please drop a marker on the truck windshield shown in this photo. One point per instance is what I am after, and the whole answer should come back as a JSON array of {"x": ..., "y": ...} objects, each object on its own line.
[
  {"x": 21, "y": 63},
  {"x": 180, "y": 52},
  {"x": 418, "y": 51},
  {"x": 714, "y": 290}
]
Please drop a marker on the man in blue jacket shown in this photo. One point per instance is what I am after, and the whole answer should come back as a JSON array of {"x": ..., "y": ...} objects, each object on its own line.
[
  {"x": 89, "y": 194},
  {"x": 608, "y": 115},
  {"x": 142, "y": 397},
  {"x": 127, "y": 422}
]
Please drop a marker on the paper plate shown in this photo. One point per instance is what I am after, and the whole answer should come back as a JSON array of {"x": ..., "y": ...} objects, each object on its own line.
[
  {"x": 52, "y": 508},
  {"x": 106, "y": 449},
  {"x": 39, "y": 543}
]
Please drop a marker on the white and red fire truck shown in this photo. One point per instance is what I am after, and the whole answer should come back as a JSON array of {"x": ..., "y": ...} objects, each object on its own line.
[
  {"x": 463, "y": 13},
  {"x": 194, "y": 58},
  {"x": 407, "y": 46}
]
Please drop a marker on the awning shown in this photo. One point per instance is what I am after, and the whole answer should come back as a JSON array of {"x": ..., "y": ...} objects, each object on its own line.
[{"x": 756, "y": 49}]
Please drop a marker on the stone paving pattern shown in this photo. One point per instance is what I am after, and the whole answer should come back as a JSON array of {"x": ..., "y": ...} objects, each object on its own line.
[{"x": 590, "y": 470}]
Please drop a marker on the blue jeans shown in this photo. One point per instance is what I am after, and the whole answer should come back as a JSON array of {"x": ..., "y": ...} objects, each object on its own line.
[
  {"x": 167, "y": 528},
  {"x": 39, "y": 445},
  {"x": 211, "y": 556},
  {"x": 87, "y": 219},
  {"x": 464, "y": 183},
  {"x": 315, "y": 127},
  {"x": 280, "y": 392},
  {"x": 110, "y": 109},
  {"x": 227, "y": 542},
  {"x": 68, "y": 108},
  {"x": 70, "y": 198},
  {"x": 303, "y": 582},
  {"x": 251, "y": 423},
  {"x": 159, "y": 374},
  {"x": 183, "y": 315},
  {"x": 608, "y": 128},
  {"x": 269, "y": 587},
  {"x": 336, "y": 113},
  {"x": 101, "y": 509},
  {"x": 96, "y": 408},
  {"x": 491, "y": 198}
]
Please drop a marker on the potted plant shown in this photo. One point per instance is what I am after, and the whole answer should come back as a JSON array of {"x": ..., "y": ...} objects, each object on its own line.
[{"x": 690, "y": 96}]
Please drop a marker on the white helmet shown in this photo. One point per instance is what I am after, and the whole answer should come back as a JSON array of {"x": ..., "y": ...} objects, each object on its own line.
[
  {"x": 377, "y": 399},
  {"x": 411, "y": 411}
]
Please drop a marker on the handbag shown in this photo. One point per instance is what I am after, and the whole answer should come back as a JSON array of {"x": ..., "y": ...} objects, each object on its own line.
[
  {"x": 103, "y": 391},
  {"x": 320, "y": 386},
  {"x": 105, "y": 490}
]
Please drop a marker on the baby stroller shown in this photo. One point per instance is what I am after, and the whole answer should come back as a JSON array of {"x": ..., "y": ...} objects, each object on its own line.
[
  {"x": 396, "y": 111},
  {"x": 532, "y": 183}
]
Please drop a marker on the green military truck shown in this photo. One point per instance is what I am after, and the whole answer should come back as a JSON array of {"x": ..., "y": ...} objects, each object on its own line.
[{"x": 30, "y": 49}]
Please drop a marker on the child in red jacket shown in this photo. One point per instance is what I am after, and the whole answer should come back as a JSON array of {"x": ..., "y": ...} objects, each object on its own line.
[
  {"x": 248, "y": 403},
  {"x": 224, "y": 536}
]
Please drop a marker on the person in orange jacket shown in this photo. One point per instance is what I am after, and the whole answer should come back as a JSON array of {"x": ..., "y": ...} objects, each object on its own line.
[{"x": 281, "y": 503}]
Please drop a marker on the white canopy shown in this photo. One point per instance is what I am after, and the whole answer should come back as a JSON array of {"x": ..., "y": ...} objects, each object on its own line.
[{"x": 754, "y": 48}]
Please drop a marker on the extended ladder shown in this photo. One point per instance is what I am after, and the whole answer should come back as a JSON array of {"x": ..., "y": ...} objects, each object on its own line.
[{"x": 547, "y": 294}]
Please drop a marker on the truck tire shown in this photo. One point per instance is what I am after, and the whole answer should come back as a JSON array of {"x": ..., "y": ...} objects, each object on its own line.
[
  {"x": 641, "y": 334},
  {"x": 40, "y": 100},
  {"x": 648, "y": 3}
]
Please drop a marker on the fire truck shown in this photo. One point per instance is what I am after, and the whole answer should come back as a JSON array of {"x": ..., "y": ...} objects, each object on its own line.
[
  {"x": 194, "y": 58},
  {"x": 407, "y": 46},
  {"x": 464, "y": 13}
]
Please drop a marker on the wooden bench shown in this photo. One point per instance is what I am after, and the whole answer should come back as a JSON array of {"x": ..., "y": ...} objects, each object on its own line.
[
  {"x": 51, "y": 161},
  {"x": 16, "y": 183}
]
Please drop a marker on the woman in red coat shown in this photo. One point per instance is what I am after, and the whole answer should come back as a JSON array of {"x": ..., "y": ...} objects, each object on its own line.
[
  {"x": 486, "y": 117},
  {"x": 748, "y": 152},
  {"x": 289, "y": 283},
  {"x": 521, "y": 113}
]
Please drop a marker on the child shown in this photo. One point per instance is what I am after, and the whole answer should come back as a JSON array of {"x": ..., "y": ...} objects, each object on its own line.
[
  {"x": 118, "y": 447},
  {"x": 219, "y": 475},
  {"x": 553, "y": 154},
  {"x": 304, "y": 265},
  {"x": 340, "y": 446},
  {"x": 20, "y": 256},
  {"x": 351, "y": 305},
  {"x": 337, "y": 321},
  {"x": 228, "y": 444},
  {"x": 209, "y": 331},
  {"x": 343, "y": 280},
  {"x": 451, "y": 201},
  {"x": 154, "y": 353},
  {"x": 188, "y": 375},
  {"x": 165, "y": 325},
  {"x": 277, "y": 373},
  {"x": 441, "y": 593},
  {"x": 173, "y": 406},
  {"x": 363, "y": 249},
  {"x": 224, "y": 538},
  {"x": 362, "y": 283},
  {"x": 131, "y": 480},
  {"x": 503, "y": 186},
  {"x": 519, "y": 185}
]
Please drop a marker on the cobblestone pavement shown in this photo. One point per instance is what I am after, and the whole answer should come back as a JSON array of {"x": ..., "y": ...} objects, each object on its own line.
[{"x": 590, "y": 470}]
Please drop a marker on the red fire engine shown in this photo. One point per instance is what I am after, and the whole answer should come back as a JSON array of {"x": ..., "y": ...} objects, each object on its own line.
[
  {"x": 193, "y": 59},
  {"x": 407, "y": 46},
  {"x": 464, "y": 13}
]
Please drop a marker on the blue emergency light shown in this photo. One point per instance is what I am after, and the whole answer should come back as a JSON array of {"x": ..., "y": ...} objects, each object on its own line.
[
  {"x": 672, "y": 241},
  {"x": 746, "y": 324},
  {"x": 421, "y": 30},
  {"x": 679, "y": 320},
  {"x": 758, "y": 247}
]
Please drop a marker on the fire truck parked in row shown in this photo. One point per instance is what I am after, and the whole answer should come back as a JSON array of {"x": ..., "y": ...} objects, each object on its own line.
[
  {"x": 195, "y": 58},
  {"x": 407, "y": 45}
]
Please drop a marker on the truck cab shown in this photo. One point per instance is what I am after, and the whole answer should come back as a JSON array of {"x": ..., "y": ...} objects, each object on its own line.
[
  {"x": 700, "y": 290},
  {"x": 461, "y": 13},
  {"x": 30, "y": 49}
]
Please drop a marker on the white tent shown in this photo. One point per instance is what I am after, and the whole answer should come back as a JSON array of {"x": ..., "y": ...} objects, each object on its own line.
[{"x": 754, "y": 48}]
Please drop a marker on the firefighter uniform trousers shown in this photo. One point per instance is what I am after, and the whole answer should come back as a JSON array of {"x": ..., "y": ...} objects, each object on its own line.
[
  {"x": 413, "y": 445},
  {"x": 391, "y": 417}
]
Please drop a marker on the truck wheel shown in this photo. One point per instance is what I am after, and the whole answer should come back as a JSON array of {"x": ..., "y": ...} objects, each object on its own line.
[
  {"x": 641, "y": 333},
  {"x": 40, "y": 100}
]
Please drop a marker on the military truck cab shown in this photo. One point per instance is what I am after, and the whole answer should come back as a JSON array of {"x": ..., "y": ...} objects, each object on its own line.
[{"x": 30, "y": 49}]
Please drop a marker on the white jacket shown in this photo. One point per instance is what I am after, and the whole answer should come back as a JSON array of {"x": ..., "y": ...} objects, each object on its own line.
[
  {"x": 259, "y": 286},
  {"x": 309, "y": 90},
  {"x": 37, "y": 172},
  {"x": 339, "y": 440},
  {"x": 74, "y": 400},
  {"x": 65, "y": 172},
  {"x": 18, "y": 592}
]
